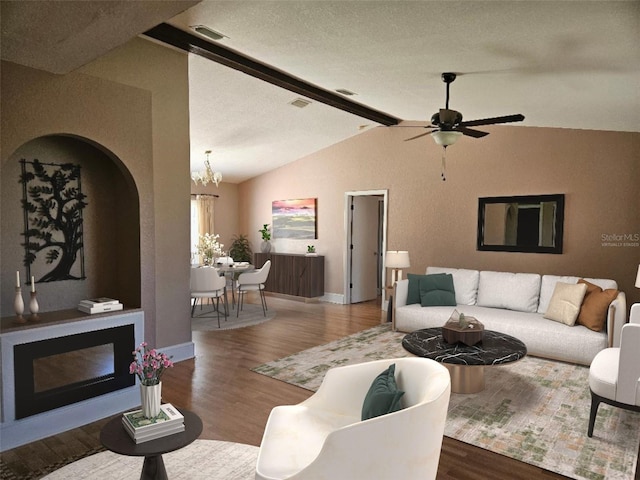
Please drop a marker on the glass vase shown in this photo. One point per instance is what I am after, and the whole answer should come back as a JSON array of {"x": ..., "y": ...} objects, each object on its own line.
[{"x": 150, "y": 396}]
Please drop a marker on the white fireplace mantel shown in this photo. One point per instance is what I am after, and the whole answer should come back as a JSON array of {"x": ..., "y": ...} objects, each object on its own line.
[{"x": 15, "y": 432}]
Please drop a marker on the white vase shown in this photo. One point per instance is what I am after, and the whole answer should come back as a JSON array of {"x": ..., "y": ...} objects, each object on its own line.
[
  {"x": 34, "y": 308},
  {"x": 150, "y": 396},
  {"x": 18, "y": 303},
  {"x": 265, "y": 246}
]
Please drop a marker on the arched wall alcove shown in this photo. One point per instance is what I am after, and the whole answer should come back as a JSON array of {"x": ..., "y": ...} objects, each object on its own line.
[{"x": 109, "y": 262}]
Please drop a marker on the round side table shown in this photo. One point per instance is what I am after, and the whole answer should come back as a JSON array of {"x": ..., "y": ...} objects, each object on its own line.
[{"x": 114, "y": 437}]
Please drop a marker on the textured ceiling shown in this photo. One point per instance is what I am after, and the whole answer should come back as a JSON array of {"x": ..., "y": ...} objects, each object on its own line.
[{"x": 567, "y": 64}]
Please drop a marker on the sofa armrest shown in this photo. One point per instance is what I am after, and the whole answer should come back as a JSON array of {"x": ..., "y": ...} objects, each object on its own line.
[
  {"x": 616, "y": 318},
  {"x": 400, "y": 293}
]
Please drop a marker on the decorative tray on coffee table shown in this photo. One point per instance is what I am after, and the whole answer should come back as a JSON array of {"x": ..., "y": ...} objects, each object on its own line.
[{"x": 463, "y": 329}]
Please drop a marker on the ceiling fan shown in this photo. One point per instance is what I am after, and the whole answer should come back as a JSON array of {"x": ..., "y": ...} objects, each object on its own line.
[{"x": 447, "y": 125}]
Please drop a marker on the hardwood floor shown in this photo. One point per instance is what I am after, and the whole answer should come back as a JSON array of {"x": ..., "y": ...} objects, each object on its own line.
[{"x": 234, "y": 402}]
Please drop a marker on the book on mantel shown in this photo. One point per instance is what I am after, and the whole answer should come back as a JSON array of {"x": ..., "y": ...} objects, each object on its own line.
[
  {"x": 142, "y": 429},
  {"x": 99, "y": 305}
]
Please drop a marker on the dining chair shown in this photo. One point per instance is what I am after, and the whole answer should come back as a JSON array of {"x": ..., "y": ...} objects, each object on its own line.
[
  {"x": 206, "y": 282},
  {"x": 251, "y": 282}
]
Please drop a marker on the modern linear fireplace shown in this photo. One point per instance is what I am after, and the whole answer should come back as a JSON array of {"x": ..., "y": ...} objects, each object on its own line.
[
  {"x": 66, "y": 370},
  {"x": 60, "y": 371}
]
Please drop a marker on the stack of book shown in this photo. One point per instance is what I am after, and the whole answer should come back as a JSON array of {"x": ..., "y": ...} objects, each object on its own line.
[
  {"x": 142, "y": 429},
  {"x": 99, "y": 305}
]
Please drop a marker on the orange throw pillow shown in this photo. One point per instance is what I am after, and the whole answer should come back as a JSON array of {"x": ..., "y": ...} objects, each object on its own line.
[{"x": 593, "y": 312}]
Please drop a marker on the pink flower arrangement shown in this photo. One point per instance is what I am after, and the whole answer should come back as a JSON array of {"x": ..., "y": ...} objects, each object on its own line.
[{"x": 149, "y": 364}]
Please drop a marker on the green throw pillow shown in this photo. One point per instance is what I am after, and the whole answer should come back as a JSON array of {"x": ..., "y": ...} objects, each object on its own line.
[
  {"x": 383, "y": 396},
  {"x": 413, "y": 292},
  {"x": 437, "y": 290}
]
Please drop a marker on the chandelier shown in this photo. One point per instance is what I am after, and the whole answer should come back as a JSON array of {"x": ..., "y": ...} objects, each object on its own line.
[{"x": 207, "y": 175}]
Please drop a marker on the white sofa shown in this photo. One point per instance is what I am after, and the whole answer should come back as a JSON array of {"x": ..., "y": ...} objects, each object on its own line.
[{"x": 514, "y": 303}]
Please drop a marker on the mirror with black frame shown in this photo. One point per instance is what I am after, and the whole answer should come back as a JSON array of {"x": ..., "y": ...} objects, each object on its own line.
[{"x": 526, "y": 223}]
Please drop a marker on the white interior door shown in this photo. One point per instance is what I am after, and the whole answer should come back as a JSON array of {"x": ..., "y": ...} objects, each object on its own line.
[{"x": 364, "y": 250}]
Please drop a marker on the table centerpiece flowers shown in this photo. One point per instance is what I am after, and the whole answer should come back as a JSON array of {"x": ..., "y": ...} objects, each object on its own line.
[
  {"x": 209, "y": 248},
  {"x": 149, "y": 365}
]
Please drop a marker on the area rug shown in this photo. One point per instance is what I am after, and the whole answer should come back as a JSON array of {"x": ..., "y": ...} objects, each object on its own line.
[
  {"x": 203, "y": 459},
  {"x": 534, "y": 410},
  {"x": 207, "y": 319}
]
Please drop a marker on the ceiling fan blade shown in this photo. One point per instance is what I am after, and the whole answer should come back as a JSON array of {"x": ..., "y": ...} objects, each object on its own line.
[
  {"x": 470, "y": 132},
  {"x": 417, "y": 136},
  {"x": 493, "y": 120}
]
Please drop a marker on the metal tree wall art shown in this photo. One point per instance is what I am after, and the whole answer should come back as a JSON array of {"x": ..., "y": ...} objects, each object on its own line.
[{"x": 52, "y": 202}]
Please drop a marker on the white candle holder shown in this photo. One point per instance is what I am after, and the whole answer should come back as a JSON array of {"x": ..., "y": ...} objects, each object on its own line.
[
  {"x": 18, "y": 306},
  {"x": 34, "y": 308}
]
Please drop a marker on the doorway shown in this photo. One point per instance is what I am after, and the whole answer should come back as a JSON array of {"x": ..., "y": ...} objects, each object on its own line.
[{"x": 366, "y": 239}]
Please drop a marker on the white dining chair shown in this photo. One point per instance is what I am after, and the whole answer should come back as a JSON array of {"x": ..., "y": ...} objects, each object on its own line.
[
  {"x": 252, "y": 282},
  {"x": 206, "y": 282}
]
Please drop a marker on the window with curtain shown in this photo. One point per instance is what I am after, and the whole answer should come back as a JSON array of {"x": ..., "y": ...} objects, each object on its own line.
[{"x": 202, "y": 215}]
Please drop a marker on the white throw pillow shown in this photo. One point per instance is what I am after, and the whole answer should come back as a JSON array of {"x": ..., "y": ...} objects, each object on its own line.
[{"x": 565, "y": 302}]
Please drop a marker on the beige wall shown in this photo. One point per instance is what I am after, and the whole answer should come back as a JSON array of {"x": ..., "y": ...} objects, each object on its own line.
[
  {"x": 164, "y": 72},
  {"x": 437, "y": 221},
  {"x": 134, "y": 103}
]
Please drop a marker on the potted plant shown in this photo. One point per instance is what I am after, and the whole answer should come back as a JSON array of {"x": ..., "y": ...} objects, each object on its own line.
[
  {"x": 311, "y": 250},
  {"x": 265, "y": 246},
  {"x": 240, "y": 249}
]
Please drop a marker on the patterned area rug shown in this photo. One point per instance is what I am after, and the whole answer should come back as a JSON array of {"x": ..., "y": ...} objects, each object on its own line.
[
  {"x": 206, "y": 319},
  {"x": 203, "y": 459},
  {"x": 534, "y": 410}
]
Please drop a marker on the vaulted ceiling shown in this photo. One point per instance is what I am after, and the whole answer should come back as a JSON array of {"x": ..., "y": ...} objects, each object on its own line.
[{"x": 565, "y": 64}]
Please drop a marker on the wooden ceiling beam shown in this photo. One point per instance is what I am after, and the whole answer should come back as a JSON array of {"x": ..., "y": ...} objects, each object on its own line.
[{"x": 194, "y": 44}]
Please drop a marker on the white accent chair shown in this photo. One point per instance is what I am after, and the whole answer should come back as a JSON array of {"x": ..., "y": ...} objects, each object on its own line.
[
  {"x": 206, "y": 282},
  {"x": 251, "y": 282},
  {"x": 324, "y": 438},
  {"x": 614, "y": 374}
]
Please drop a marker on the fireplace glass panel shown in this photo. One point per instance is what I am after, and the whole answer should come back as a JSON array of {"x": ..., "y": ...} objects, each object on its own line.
[{"x": 68, "y": 368}]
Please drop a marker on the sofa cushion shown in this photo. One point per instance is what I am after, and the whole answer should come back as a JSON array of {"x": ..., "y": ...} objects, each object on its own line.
[
  {"x": 593, "y": 313},
  {"x": 437, "y": 290},
  {"x": 383, "y": 396},
  {"x": 513, "y": 291},
  {"x": 465, "y": 283},
  {"x": 565, "y": 302},
  {"x": 549, "y": 284}
]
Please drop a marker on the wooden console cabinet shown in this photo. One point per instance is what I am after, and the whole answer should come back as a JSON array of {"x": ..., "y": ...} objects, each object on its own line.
[{"x": 293, "y": 274}]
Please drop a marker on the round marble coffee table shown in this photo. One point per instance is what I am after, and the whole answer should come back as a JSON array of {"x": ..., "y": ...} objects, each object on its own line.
[{"x": 465, "y": 364}]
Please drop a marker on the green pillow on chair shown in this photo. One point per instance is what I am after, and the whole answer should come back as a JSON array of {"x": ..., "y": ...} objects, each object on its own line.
[
  {"x": 437, "y": 290},
  {"x": 383, "y": 396}
]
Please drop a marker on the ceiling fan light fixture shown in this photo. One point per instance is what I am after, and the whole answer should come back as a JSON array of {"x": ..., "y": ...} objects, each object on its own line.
[{"x": 445, "y": 138}]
